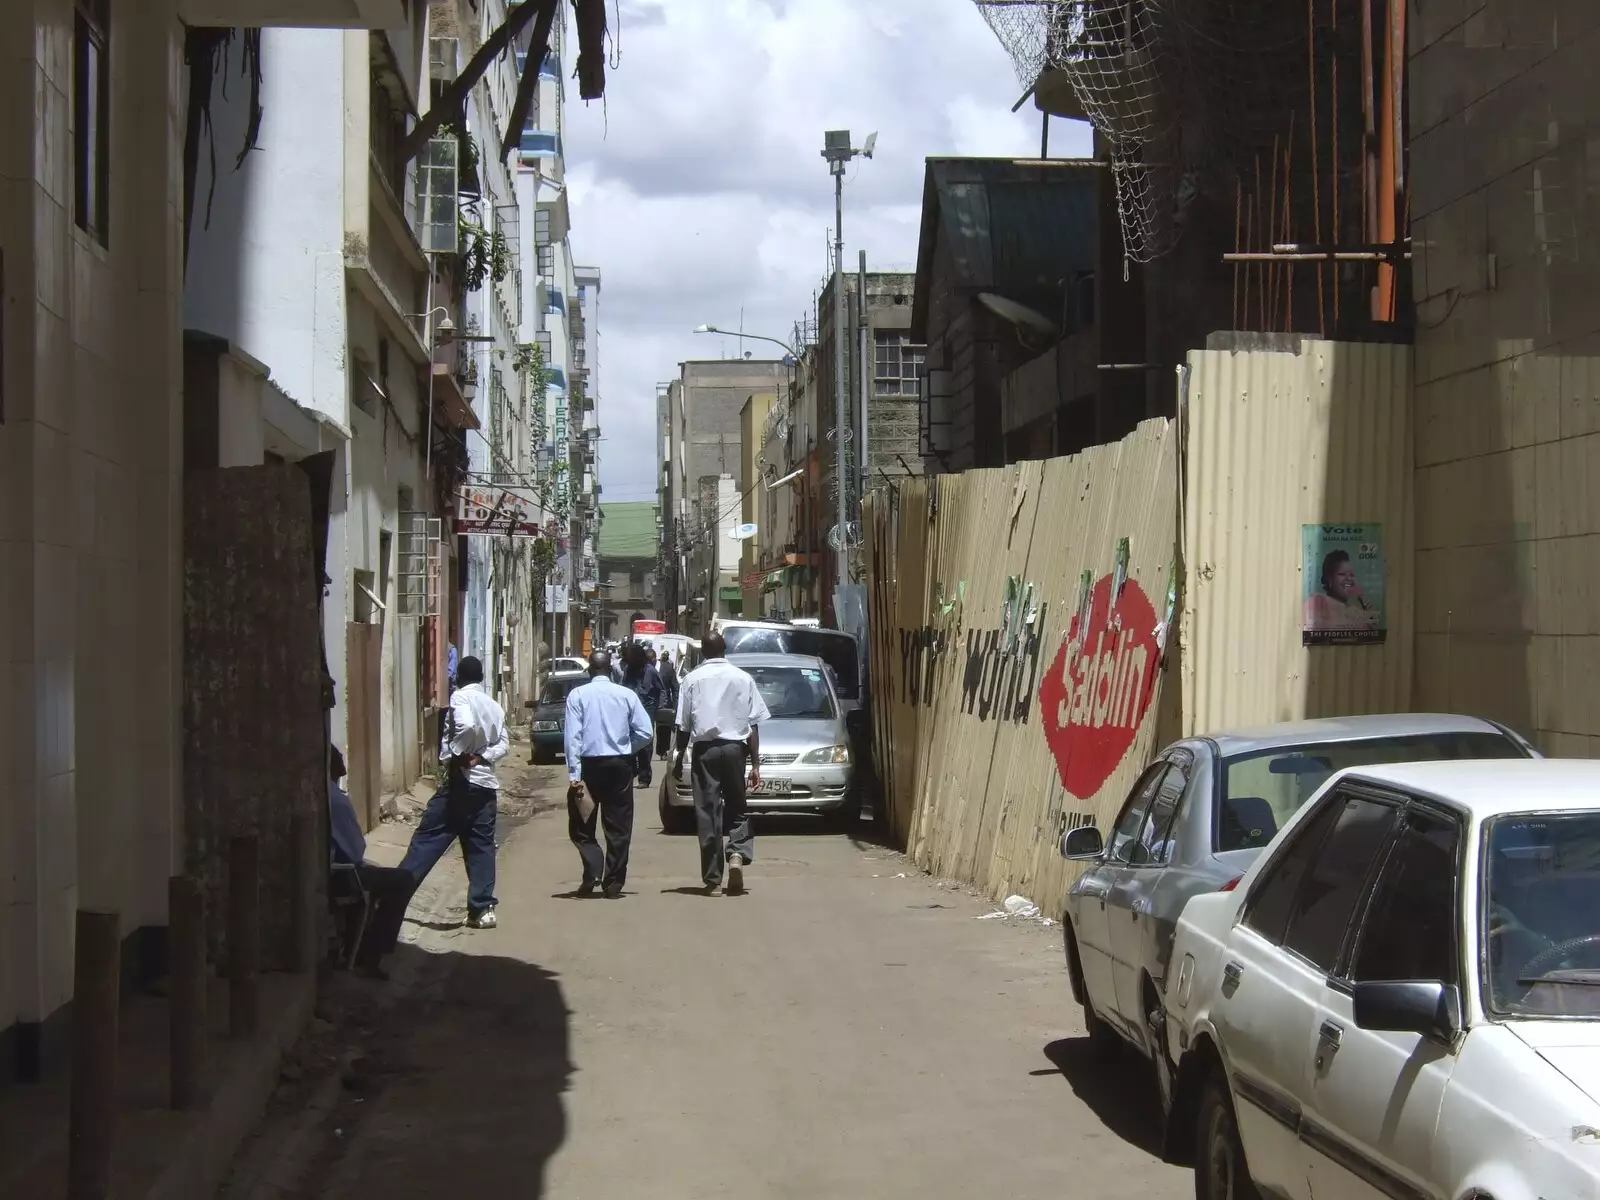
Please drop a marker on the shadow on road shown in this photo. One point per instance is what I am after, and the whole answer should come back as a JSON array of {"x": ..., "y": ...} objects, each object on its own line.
[
  {"x": 460, "y": 1091},
  {"x": 1121, "y": 1092}
]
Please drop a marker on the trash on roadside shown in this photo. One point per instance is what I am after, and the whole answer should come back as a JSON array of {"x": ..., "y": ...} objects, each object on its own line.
[
  {"x": 1021, "y": 906},
  {"x": 992, "y": 915}
]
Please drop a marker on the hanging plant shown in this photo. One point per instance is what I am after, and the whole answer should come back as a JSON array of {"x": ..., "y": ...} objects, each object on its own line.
[
  {"x": 474, "y": 256},
  {"x": 499, "y": 257}
]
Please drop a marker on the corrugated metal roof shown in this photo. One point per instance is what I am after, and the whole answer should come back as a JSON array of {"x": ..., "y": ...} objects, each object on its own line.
[
  {"x": 628, "y": 530},
  {"x": 1018, "y": 227}
]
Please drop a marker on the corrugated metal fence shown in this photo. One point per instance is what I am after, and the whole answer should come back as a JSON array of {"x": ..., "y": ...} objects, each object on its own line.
[
  {"x": 1277, "y": 441},
  {"x": 1013, "y": 656},
  {"x": 1020, "y": 616}
]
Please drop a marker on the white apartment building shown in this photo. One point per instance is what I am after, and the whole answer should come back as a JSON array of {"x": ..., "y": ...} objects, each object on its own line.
[{"x": 310, "y": 264}]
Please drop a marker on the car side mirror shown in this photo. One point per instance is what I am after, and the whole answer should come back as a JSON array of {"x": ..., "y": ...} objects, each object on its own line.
[
  {"x": 1421, "y": 1006},
  {"x": 1082, "y": 844}
]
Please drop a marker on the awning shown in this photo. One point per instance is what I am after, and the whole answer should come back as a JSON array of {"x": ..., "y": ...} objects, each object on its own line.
[{"x": 729, "y": 593}]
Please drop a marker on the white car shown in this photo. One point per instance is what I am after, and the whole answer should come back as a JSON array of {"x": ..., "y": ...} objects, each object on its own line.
[{"x": 1401, "y": 997}]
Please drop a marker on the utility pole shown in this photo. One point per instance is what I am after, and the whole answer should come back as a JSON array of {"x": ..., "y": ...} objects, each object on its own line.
[
  {"x": 838, "y": 151},
  {"x": 863, "y": 342}
]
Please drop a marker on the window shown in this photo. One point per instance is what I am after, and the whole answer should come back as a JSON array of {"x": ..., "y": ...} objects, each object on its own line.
[
  {"x": 1156, "y": 834},
  {"x": 1267, "y": 910},
  {"x": 91, "y": 119},
  {"x": 1410, "y": 928},
  {"x": 1261, "y": 790},
  {"x": 1332, "y": 887},
  {"x": 896, "y": 362},
  {"x": 1538, "y": 913},
  {"x": 1131, "y": 820},
  {"x": 547, "y": 260}
]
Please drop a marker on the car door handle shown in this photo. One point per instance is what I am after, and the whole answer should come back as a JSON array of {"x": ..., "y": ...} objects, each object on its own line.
[
  {"x": 1231, "y": 974},
  {"x": 1329, "y": 1037}
]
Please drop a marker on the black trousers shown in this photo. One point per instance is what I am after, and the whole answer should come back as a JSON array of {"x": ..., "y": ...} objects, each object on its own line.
[
  {"x": 721, "y": 817},
  {"x": 390, "y": 889},
  {"x": 610, "y": 783}
]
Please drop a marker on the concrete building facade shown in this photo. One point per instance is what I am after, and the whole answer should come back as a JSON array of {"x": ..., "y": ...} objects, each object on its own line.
[
  {"x": 698, "y": 423},
  {"x": 91, "y": 470},
  {"x": 1503, "y": 198}
]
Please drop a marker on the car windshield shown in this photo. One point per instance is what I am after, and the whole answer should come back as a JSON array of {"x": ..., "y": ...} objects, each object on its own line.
[
  {"x": 555, "y": 690},
  {"x": 1262, "y": 789},
  {"x": 1541, "y": 915},
  {"x": 836, "y": 649},
  {"x": 794, "y": 692}
]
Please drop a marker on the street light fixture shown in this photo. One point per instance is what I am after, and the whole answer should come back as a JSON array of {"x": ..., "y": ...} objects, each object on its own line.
[{"x": 759, "y": 337}]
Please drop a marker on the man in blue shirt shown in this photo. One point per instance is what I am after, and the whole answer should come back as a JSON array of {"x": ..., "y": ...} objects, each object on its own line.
[
  {"x": 388, "y": 887},
  {"x": 644, "y": 681},
  {"x": 605, "y": 728}
]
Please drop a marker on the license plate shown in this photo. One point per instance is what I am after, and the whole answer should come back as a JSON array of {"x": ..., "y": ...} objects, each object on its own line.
[{"x": 772, "y": 787}]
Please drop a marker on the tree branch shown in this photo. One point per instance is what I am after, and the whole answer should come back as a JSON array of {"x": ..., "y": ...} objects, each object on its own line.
[
  {"x": 453, "y": 102},
  {"x": 528, "y": 85},
  {"x": 590, "y": 18}
]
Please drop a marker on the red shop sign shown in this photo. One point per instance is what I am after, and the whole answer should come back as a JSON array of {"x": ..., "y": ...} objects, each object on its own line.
[{"x": 1096, "y": 693}]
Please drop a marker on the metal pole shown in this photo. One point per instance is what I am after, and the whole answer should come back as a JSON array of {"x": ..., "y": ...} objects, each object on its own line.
[
  {"x": 186, "y": 953},
  {"x": 92, "y": 1097},
  {"x": 841, "y": 470},
  {"x": 863, "y": 342}
]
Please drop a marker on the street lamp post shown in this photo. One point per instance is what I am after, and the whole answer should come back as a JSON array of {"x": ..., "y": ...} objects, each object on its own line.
[{"x": 837, "y": 150}]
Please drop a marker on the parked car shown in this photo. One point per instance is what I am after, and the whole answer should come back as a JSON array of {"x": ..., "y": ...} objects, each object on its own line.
[
  {"x": 1196, "y": 818},
  {"x": 806, "y": 763},
  {"x": 834, "y": 647},
  {"x": 549, "y": 714},
  {"x": 566, "y": 662},
  {"x": 1402, "y": 997}
]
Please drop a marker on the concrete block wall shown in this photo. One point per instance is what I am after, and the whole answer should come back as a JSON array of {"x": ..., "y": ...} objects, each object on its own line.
[
  {"x": 1505, "y": 201},
  {"x": 90, "y": 464}
]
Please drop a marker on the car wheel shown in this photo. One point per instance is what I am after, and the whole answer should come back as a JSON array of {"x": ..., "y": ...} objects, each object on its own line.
[
  {"x": 1220, "y": 1171},
  {"x": 673, "y": 820},
  {"x": 847, "y": 817},
  {"x": 1103, "y": 1040}
]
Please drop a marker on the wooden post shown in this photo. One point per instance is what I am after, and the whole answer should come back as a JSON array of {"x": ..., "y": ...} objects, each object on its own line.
[
  {"x": 186, "y": 1005},
  {"x": 96, "y": 985},
  {"x": 303, "y": 897},
  {"x": 244, "y": 935}
]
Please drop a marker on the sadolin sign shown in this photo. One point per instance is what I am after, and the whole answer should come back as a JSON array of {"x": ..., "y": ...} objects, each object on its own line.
[{"x": 1096, "y": 693}]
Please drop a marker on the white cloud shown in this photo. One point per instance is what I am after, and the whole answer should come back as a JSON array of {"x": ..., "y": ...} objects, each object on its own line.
[{"x": 699, "y": 189}]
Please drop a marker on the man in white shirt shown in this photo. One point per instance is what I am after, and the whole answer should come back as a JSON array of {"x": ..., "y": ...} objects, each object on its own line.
[
  {"x": 719, "y": 714},
  {"x": 465, "y": 806}
]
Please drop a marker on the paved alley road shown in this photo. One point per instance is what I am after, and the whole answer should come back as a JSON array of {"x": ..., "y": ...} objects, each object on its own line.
[{"x": 836, "y": 1032}]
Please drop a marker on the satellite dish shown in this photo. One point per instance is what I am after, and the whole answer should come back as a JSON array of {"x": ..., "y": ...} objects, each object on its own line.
[
  {"x": 747, "y": 530},
  {"x": 872, "y": 141},
  {"x": 1017, "y": 314}
]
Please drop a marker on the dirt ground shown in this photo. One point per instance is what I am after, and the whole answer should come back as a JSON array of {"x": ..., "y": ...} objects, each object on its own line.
[{"x": 845, "y": 1028}]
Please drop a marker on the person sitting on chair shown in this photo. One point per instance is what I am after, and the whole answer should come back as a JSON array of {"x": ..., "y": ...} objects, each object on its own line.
[{"x": 389, "y": 888}]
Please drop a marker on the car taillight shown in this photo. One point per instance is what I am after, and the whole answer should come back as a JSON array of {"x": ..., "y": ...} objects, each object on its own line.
[{"x": 1231, "y": 884}]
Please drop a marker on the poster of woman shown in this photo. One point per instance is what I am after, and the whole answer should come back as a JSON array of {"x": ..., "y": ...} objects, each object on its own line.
[{"x": 1342, "y": 578}]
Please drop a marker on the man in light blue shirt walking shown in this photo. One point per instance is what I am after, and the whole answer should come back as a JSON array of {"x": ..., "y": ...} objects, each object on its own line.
[{"x": 605, "y": 728}]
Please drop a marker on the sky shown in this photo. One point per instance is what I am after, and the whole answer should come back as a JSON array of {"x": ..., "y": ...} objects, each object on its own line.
[{"x": 698, "y": 187}]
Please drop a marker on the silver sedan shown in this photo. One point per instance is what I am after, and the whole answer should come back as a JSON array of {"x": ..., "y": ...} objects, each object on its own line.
[
  {"x": 806, "y": 763},
  {"x": 1194, "y": 822}
]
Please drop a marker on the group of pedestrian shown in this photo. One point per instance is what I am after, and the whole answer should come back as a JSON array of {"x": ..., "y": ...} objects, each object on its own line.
[
  {"x": 611, "y": 736},
  {"x": 463, "y": 809}
]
